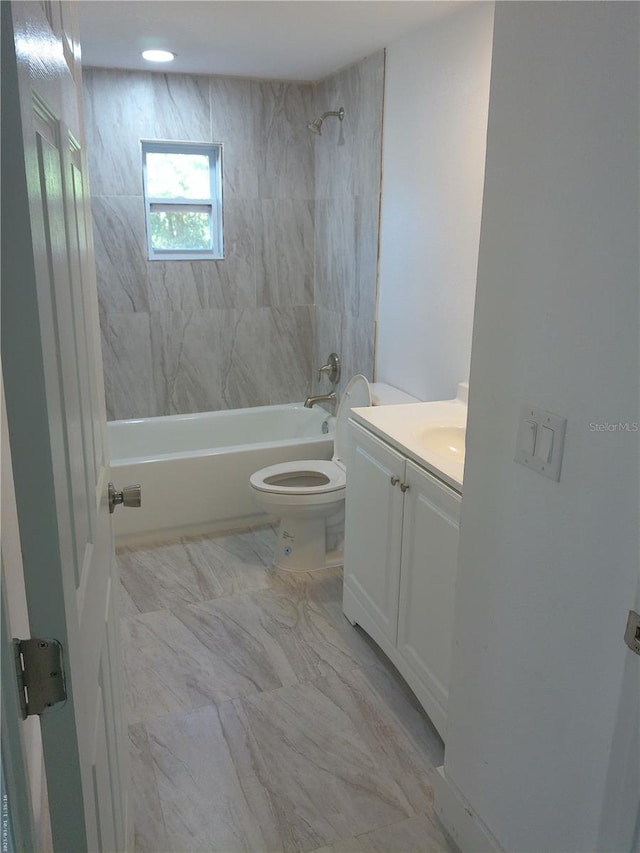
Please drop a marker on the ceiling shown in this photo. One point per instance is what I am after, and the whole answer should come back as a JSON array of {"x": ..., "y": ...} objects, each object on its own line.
[{"x": 283, "y": 39}]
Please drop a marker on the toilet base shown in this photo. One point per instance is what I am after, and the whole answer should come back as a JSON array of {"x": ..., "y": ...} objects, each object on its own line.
[{"x": 301, "y": 545}]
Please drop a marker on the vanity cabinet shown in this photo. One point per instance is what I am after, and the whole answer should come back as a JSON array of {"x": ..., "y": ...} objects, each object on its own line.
[
  {"x": 400, "y": 561},
  {"x": 373, "y": 530}
]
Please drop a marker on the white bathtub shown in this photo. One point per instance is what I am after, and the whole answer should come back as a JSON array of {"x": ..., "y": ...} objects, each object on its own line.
[{"x": 194, "y": 469}]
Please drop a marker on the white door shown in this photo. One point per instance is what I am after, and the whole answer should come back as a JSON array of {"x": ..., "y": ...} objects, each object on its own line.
[
  {"x": 55, "y": 412},
  {"x": 26, "y": 817},
  {"x": 620, "y": 827}
]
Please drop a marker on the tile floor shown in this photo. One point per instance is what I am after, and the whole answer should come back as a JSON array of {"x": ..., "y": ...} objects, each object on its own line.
[{"x": 259, "y": 718}]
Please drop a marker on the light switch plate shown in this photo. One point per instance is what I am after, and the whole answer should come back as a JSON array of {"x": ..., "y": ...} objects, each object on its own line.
[{"x": 548, "y": 468}]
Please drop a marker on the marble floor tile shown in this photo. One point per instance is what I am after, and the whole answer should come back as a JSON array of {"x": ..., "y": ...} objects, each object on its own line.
[
  {"x": 235, "y": 646},
  {"x": 150, "y": 830},
  {"x": 232, "y": 563},
  {"x": 154, "y": 673},
  {"x": 413, "y": 835},
  {"x": 261, "y": 641},
  {"x": 195, "y": 568},
  {"x": 158, "y": 576},
  {"x": 320, "y": 770},
  {"x": 351, "y": 845},
  {"x": 324, "y": 588},
  {"x": 260, "y": 719},
  {"x": 228, "y": 650},
  {"x": 127, "y": 605},
  {"x": 397, "y": 698},
  {"x": 394, "y": 732},
  {"x": 199, "y": 656},
  {"x": 204, "y": 805}
]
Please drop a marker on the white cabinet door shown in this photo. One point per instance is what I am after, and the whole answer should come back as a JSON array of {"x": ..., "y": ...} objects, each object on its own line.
[
  {"x": 427, "y": 587},
  {"x": 373, "y": 537}
]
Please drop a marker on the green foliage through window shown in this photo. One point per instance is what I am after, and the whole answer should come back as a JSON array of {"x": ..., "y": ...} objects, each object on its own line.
[{"x": 179, "y": 230}]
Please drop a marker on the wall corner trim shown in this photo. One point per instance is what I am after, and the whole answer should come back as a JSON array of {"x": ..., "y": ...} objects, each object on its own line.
[{"x": 458, "y": 818}]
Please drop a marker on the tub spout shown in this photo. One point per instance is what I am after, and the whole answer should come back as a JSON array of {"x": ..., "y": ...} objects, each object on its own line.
[{"x": 320, "y": 398}]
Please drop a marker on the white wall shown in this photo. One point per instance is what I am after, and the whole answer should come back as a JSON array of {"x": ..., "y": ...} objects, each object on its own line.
[
  {"x": 435, "y": 121},
  {"x": 549, "y": 570}
]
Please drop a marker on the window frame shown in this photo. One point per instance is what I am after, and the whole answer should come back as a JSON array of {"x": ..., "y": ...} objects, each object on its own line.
[{"x": 212, "y": 204}]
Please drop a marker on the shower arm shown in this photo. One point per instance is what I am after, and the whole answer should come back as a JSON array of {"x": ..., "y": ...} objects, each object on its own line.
[
  {"x": 316, "y": 125},
  {"x": 339, "y": 113}
]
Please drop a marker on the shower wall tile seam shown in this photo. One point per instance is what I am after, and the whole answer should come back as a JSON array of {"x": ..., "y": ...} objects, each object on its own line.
[{"x": 209, "y": 87}]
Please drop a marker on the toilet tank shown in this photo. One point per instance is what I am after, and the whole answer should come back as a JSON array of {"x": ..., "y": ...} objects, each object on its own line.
[{"x": 386, "y": 395}]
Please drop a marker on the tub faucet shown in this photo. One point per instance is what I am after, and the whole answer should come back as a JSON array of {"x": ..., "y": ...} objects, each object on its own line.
[{"x": 320, "y": 398}]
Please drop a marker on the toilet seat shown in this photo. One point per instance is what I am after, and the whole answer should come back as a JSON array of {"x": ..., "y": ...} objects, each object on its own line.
[{"x": 296, "y": 478}]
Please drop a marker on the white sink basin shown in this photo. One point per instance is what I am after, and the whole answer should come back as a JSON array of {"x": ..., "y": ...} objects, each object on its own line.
[{"x": 445, "y": 441}]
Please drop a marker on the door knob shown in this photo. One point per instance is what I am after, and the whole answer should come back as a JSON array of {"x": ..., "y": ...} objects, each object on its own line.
[
  {"x": 395, "y": 480},
  {"x": 404, "y": 487},
  {"x": 129, "y": 496}
]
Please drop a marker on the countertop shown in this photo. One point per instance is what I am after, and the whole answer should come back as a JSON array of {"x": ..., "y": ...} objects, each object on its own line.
[{"x": 402, "y": 426}]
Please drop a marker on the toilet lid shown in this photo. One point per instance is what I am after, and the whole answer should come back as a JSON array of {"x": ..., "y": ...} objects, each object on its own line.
[{"x": 357, "y": 393}]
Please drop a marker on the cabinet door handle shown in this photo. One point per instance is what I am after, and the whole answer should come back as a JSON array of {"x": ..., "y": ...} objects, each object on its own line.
[
  {"x": 404, "y": 487},
  {"x": 394, "y": 480}
]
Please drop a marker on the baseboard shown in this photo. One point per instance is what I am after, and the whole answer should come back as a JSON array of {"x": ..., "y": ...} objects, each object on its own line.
[
  {"x": 232, "y": 525},
  {"x": 460, "y": 821}
]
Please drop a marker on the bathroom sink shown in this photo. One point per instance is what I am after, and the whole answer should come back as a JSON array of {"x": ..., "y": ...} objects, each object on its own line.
[
  {"x": 431, "y": 433},
  {"x": 445, "y": 441}
]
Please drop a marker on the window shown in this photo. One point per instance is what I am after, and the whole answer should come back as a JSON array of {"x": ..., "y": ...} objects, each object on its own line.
[{"x": 183, "y": 200}]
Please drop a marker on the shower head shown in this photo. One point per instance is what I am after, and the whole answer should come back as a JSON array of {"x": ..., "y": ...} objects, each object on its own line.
[{"x": 316, "y": 126}]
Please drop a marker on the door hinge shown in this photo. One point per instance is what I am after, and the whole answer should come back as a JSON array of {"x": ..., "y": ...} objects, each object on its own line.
[
  {"x": 40, "y": 675},
  {"x": 632, "y": 634}
]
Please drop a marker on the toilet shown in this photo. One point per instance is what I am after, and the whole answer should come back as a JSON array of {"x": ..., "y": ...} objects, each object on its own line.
[{"x": 304, "y": 493}]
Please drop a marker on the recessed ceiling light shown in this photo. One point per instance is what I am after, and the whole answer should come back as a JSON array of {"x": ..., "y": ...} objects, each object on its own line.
[{"x": 158, "y": 55}]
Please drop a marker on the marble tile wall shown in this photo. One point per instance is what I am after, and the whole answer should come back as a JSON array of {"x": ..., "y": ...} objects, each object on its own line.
[
  {"x": 301, "y": 239},
  {"x": 183, "y": 336},
  {"x": 347, "y": 204}
]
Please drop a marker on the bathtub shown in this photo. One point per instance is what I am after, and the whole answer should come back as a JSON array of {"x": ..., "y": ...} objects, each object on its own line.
[{"x": 194, "y": 469}]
